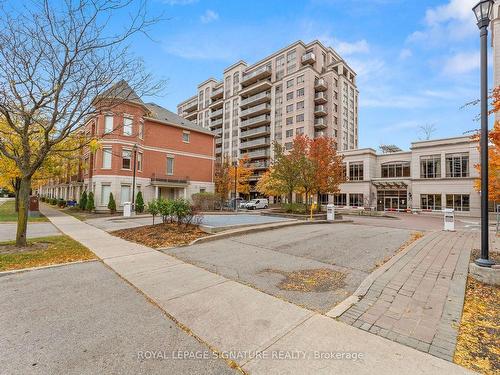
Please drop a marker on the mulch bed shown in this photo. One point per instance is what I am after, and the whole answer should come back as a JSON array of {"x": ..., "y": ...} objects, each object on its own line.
[
  {"x": 493, "y": 255},
  {"x": 478, "y": 342},
  {"x": 162, "y": 235},
  {"x": 313, "y": 280},
  {"x": 13, "y": 249}
]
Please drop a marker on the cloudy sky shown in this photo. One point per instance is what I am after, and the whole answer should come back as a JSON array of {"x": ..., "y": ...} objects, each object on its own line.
[{"x": 417, "y": 61}]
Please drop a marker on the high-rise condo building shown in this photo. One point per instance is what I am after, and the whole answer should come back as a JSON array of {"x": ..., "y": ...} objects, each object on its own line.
[{"x": 301, "y": 89}]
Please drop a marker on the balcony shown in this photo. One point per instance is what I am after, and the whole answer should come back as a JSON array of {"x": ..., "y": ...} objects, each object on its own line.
[
  {"x": 191, "y": 106},
  {"x": 260, "y": 142},
  {"x": 309, "y": 58},
  {"x": 320, "y": 98},
  {"x": 257, "y": 110},
  {"x": 261, "y": 164},
  {"x": 320, "y": 110},
  {"x": 255, "y": 121},
  {"x": 262, "y": 153},
  {"x": 256, "y": 75},
  {"x": 255, "y": 177},
  {"x": 216, "y": 114},
  {"x": 214, "y": 123},
  {"x": 218, "y": 132},
  {"x": 259, "y": 86},
  {"x": 256, "y": 99},
  {"x": 320, "y": 123},
  {"x": 219, "y": 103},
  {"x": 319, "y": 134},
  {"x": 191, "y": 116},
  {"x": 217, "y": 93},
  {"x": 218, "y": 150},
  {"x": 320, "y": 84},
  {"x": 218, "y": 141},
  {"x": 255, "y": 132}
]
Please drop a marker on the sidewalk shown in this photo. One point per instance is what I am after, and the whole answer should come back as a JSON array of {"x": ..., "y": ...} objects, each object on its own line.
[
  {"x": 229, "y": 316},
  {"x": 418, "y": 301}
]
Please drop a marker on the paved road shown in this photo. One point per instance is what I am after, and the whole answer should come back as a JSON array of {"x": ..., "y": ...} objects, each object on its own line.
[
  {"x": 8, "y": 230},
  {"x": 259, "y": 259},
  {"x": 83, "y": 319},
  {"x": 208, "y": 220}
]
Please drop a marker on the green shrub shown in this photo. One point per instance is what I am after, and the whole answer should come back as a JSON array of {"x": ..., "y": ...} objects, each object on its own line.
[
  {"x": 204, "y": 201},
  {"x": 181, "y": 209},
  {"x": 139, "y": 203},
  {"x": 53, "y": 201},
  {"x": 61, "y": 203},
  {"x": 153, "y": 208},
  {"x": 82, "y": 205},
  {"x": 294, "y": 208},
  {"x": 112, "y": 203},
  {"x": 90, "y": 202}
]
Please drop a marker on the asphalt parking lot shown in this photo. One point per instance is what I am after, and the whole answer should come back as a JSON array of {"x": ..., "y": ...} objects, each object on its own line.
[
  {"x": 264, "y": 260},
  {"x": 83, "y": 319}
]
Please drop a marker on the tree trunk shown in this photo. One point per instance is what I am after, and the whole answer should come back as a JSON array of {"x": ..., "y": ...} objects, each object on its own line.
[
  {"x": 290, "y": 196},
  {"x": 318, "y": 199},
  {"x": 22, "y": 218}
]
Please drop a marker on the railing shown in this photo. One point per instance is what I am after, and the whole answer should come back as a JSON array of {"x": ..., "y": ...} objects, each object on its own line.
[
  {"x": 310, "y": 56},
  {"x": 256, "y": 72},
  {"x": 261, "y": 129},
  {"x": 217, "y": 91},
  {"x": 260, "y": 164},
  {"x": 257, "y": 108},
  {"x": 255, "y": 142},
  {"x": 320, "y": 121},
  {"x": 256, "y": 120},
  {"x": 320, "y": 108},
  {"x": 216, "y": 122},
  {"x": 216, "y": 113},
  {"x": 320, "y": 95},
  {"x": 257, "y": 153},
  {"x": 320, "y": 82},
  {"x": 253, "y": 98}
]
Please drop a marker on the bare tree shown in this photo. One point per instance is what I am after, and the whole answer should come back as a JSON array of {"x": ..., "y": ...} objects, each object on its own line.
[
  {"x": 58, "y": 63},
  {"x": 427, "y": 131}
]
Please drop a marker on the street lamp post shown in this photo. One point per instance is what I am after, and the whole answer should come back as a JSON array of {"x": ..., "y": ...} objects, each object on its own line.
[
  {"x": 235, "y": 165},
  {"x": 482, "y": 11},
  {"x": 133, "y": 177}
]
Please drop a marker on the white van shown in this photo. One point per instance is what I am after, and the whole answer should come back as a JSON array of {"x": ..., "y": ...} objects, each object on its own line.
[{"x": 257, "y": 203}]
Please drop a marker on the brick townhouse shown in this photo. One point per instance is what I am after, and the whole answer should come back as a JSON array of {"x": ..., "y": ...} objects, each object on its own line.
[{"x": 174, "y": 157}]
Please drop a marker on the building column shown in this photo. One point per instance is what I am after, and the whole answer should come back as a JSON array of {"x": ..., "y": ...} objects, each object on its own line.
[
  {"x": 156, "y": 192},
  {"x": 185, "y": 193}
]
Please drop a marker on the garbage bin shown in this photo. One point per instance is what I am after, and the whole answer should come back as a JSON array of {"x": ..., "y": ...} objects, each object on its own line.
[
  {"x": 330, "y": 212},
  {"x": 127, "y": 209},
  {"x": 449, "y": 219},
  {"x": 33, "y": 207}
]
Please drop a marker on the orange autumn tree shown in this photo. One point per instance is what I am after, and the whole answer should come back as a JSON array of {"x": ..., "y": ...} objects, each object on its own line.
[
  {"x": 493, "y": 155},
  {"x": 327, "y": 166},
  {"x": 243, "y": 173}
]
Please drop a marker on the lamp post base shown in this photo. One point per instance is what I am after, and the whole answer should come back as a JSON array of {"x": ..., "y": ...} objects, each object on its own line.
[{"x": 484, "y": 262}]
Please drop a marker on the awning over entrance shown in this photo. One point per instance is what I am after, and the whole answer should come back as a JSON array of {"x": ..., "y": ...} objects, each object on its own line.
[
  {"x": 169, "y": 181},
  {"x": 390, "y": 184}
]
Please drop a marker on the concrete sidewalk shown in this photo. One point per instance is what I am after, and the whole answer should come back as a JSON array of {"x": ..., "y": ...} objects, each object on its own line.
[{"x": 265, "y": 334}]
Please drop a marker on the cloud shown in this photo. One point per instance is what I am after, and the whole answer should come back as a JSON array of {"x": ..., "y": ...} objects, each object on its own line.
[
  {"x": 453, "y": 21},
  {"x": 209, "y": 16},
  {"x": 180, "y": 2},
  {"x": 462, "y": 63},
  {"x": 346, "y": 48},
  {"x": 405, "y": 53}
]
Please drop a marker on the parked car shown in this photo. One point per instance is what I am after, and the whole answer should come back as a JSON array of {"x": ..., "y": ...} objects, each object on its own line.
[
  {"x": 232, "y": 203},
  {"x": 243, "y": 203},
  {"x": 257, "y": 203}
]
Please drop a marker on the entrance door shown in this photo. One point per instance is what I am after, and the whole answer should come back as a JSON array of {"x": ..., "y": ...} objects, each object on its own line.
[{"x": 391, "y": 203}]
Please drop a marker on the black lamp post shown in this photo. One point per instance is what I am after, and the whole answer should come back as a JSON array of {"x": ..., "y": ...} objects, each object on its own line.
[
  {"x": 482, "y": 11},
  {"x": 133, "y": 177},
  {"x": 235, "y": 165}
]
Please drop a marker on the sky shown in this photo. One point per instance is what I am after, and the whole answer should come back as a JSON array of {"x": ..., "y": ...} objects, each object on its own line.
[{"x": 417, "y": 61}]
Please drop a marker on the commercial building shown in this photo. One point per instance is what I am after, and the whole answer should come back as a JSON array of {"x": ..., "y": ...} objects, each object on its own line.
[
  {"x": 433, "y": 175},
  {"x": 174, "y": 157},
  {"x": 301, "y": 89}
]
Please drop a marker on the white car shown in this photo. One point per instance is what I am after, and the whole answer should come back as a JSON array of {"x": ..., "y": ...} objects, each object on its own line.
[{"x": 257, "y": 203}]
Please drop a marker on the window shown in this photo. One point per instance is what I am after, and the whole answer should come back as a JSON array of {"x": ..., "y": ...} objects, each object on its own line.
[
  {"x": 459, "y": 202},
  {"x": 170, "y": 165},
  {"x": 355, "y": 171},
  {"x": 127, "y": 126},
  {"x": 300, "y": 92},
  {"x": 289, "y": 96},
  {"x": 300, "y": 79},
  {"x": 400, "y": 169},
  {"x": 430, "y": 166},
  {"x": 299, "y": 131},
  {"x": 108, "y": 124},
  {"x": 300, "y": 118},
  {"x": 430, "y": 202},
  {"x": 300, "y": 105},
  {"x": 126, "y": 159},
  {"x": 139, "y": 161},
  {"x": 185, "y": 137},
  {"x": 124, "y": 194},
  {"x": 457, "y": 165},
  {"x": 289, "y": 83},
  {"x": 340, "y": 199},
  {"x": 106, "y": 157},
  {"x": 288, "y": 145},
  {"x": 289, "y": 108},
  {"x": 289, "y": 133},
  {"x": 141, "y": 130},
  {"x": 105, "y": 190},
  {"x": 289, "y": 120},
  {"x": 356, "y": 200}
]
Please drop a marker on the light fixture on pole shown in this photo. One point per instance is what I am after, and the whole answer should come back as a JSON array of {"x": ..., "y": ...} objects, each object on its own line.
[
  {"x": 133, "y": 177},
  {"x": 235, "y": 165},
  {"x": 482, "y": 11}
]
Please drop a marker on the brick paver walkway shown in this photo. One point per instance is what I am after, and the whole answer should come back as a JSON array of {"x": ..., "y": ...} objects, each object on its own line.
[{"x": 418, "y": 301}]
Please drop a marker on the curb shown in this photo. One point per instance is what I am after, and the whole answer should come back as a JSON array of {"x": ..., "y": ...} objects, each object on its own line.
[
  {"x": 262, "y": 228},
  {"x": 11, "y": 272},
  {"x": 362, "y": 289}
]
